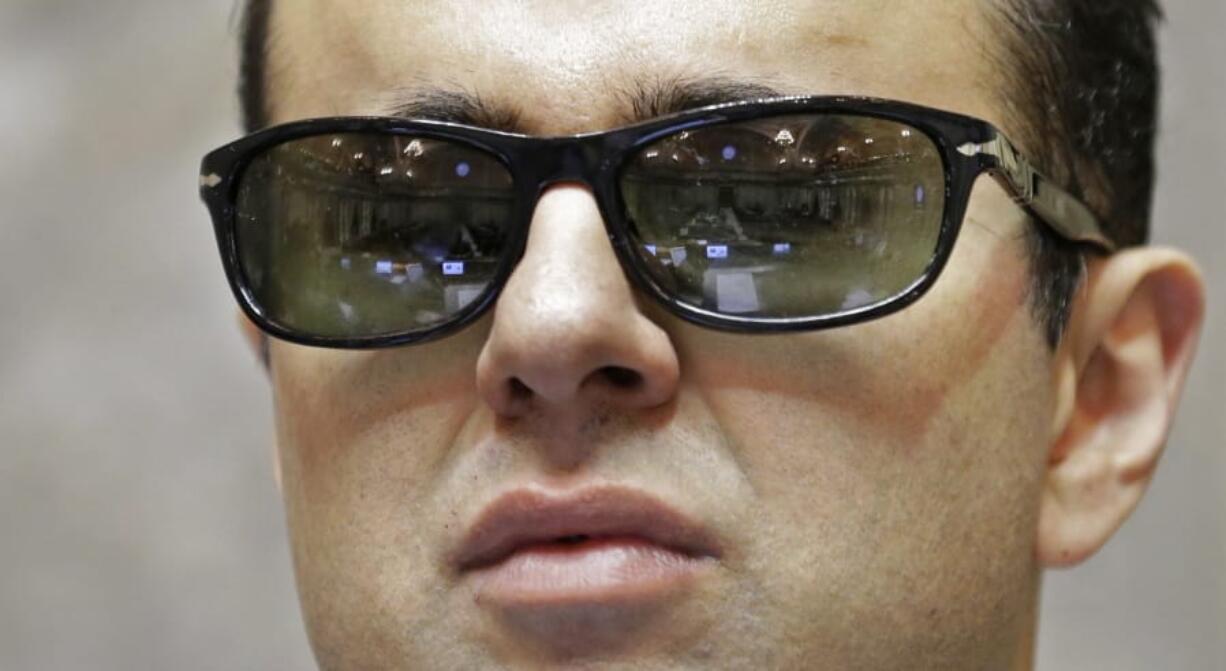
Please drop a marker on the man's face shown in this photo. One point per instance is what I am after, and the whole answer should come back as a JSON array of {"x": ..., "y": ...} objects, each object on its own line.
[{"x": 873, "y": 489}]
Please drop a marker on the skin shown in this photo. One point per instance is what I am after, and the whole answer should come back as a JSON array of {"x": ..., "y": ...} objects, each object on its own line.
[{"x": 889, "y": 493}]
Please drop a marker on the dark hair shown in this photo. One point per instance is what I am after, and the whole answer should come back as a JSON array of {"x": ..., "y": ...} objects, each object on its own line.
[
  {"x": 1079, "y": 86},
  {"x": 1080, "y": 89},
  {"x": 253, "y": 64}
]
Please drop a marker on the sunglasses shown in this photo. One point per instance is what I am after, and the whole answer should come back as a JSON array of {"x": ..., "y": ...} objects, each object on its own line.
[{"x": 769, "y": 216}]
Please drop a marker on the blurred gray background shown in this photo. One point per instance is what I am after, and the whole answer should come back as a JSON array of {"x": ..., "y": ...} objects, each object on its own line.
[{"x": 139, "y": 524}]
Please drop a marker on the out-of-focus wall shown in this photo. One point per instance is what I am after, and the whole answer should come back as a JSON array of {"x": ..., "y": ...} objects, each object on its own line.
[{"x": 139, "y": 524}]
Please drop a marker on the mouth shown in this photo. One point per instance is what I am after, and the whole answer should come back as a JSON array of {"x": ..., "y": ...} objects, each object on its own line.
[{"x": 607, "y": 545}]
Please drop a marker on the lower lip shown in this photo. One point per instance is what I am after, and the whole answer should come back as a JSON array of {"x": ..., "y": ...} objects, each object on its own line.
[{"x": 592, "y": 571}]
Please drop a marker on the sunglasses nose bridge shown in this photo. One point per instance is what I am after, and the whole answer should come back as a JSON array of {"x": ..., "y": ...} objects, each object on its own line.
[{"x": 571, "y": 160}]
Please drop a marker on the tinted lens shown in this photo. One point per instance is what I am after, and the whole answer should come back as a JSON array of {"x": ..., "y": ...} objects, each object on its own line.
[
  {"x": 787, "y": 217},
  {"x": 366, "y": 234}
]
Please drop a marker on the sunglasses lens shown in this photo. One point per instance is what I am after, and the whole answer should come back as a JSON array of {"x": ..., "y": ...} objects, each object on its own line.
[
  {"x": 364, "y": 234},
  {"x": 787, "y": 217}
]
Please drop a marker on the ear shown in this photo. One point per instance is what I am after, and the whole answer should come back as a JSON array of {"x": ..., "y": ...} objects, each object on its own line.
[
  {"x": 256, "y": 339},
  {"x": 1119, "y": 373}
]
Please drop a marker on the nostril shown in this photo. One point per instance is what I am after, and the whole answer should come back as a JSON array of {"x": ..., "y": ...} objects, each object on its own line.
[
  {"x": 519, "y": 390},
  {"x": 622, "y": 378}
]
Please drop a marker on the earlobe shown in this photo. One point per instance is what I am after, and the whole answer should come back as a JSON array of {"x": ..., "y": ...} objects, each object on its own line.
[{"x": 1118, "y": 379}]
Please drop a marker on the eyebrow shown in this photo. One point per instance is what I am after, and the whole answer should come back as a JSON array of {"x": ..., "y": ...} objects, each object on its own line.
[{"x": 641, "y": 101}]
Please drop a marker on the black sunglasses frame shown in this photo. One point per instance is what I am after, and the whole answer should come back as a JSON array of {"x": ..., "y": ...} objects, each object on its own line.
[{"x": 969, "y": 147}]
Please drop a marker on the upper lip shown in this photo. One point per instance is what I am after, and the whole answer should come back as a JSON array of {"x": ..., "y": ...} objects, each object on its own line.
[{"x": 527, "y": 516}]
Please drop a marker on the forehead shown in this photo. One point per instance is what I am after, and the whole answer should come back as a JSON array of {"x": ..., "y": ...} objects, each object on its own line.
[{"x": 564, "y": 67}]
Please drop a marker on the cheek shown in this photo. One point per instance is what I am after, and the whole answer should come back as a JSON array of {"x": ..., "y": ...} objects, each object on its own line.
[
  {"x": 362, "y": 438},
  {"x": 888, "y": 378},
  {"x": 896, "y": 464},
  {"x": 347, "y": 418},
  {"x": 908, "y": 400},
  {"x": 356, "y": 458}
]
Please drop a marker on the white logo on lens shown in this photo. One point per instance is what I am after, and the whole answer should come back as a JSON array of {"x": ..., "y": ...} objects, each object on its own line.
[
  {"x": 717, "y": 251},
  {"x": 453, "y": 268}
]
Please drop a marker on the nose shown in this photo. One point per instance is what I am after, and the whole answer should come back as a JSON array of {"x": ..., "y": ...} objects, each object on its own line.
[{"x": 567, "y": 330}]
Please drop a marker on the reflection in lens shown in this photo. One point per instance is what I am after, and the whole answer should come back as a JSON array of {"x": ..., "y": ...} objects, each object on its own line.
[
  {"x": 370, "y": 234},
  {"x": 792, "y": 216}
]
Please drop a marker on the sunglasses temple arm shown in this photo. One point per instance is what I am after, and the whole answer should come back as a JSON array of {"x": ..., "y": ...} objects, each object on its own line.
[{"x": 1065, "y": 214}]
